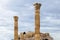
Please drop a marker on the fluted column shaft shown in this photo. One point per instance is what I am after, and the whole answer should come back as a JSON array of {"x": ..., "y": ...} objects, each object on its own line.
[
  {"x": 37, "y": 21},
  {"x": 15, "y": 28}
]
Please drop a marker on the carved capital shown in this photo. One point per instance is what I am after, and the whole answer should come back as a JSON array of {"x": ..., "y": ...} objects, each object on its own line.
[
  {"x": 16, "y": 18},
  {"x": 37, "y": 5}
]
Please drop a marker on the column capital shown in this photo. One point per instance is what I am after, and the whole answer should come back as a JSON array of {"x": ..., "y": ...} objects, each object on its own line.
[
  {"x": 37, "y": 5},
  {"x": 16, "y": 18}
]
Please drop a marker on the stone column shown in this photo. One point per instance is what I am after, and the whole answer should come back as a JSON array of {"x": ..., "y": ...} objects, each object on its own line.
[
  {"x": 15, "y": 28},
  {"x": 37, "y": 21}
]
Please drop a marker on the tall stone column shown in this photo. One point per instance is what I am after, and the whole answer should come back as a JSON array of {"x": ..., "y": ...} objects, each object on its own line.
[
  {"x": 37, "y": 21},
  {"x": 15, "y": 28}
]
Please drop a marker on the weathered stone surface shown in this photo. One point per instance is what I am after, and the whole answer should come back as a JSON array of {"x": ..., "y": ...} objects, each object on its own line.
[
  {"x": 37, "y": 21},
  {"x": 15, "y": 28},
  {"x": 32, "y": 35},
  {"x": 21, "y": 36}
]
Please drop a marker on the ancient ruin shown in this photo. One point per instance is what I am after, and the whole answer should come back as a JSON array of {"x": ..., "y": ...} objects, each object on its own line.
[
  {"x": 37, "y": 21},
  {"x": 31, "y": 35},
  {"x": 15, "y": 28}
]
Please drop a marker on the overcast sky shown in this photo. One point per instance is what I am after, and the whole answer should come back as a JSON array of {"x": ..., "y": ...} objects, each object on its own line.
[{"x": 24, "y": 9}]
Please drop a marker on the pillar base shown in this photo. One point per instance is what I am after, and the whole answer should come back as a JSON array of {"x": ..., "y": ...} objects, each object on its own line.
[{"x": 37, "y": 36}]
